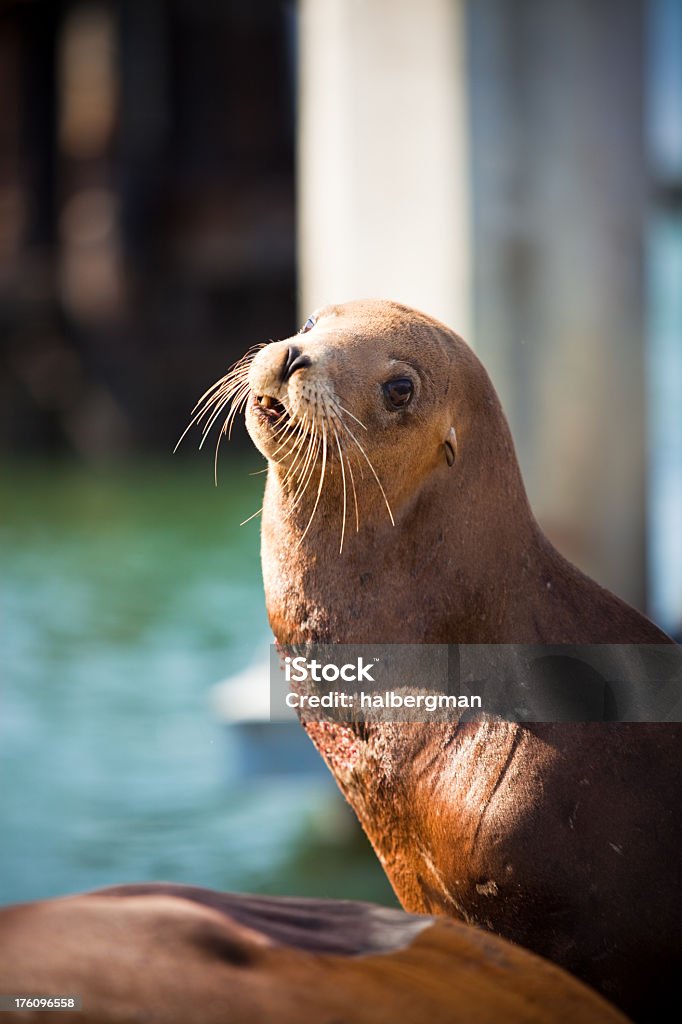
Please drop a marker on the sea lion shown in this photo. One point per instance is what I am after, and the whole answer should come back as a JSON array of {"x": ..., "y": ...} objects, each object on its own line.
[
  {"x": 395, "y": 512},
  {"x": 169, "y": 954}
]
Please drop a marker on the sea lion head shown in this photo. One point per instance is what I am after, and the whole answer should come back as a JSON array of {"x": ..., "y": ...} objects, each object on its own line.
[{"x": 383, "y": 395}]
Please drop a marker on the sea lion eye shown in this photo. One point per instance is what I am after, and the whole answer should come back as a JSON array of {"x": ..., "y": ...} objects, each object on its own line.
[
  {"x": 398, "y": 392},
  {"x": 308, "y": 325}
]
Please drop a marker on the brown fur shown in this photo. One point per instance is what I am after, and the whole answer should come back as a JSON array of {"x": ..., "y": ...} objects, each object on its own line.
[
  {"x": 566, "y": 837},
  {"x": 167, "y": 954}
]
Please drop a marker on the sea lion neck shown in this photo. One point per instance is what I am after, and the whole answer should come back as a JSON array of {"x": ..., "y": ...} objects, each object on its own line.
[{"x": 446, "y": 576}]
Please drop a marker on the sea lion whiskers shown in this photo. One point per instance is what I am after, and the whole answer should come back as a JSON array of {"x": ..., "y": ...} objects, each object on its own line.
[
  {"x": 319, "y": 488},
  {"x": 235, "y": 398},
  {"x": 292, "y": 436},
  {"x": 252, "y": 516},
  {"x": 238, "y": 400},
  {"x": 343, "y": 409},
  {"x": 235, "y": 374},
  {"x": 303, "y": 461},
  {"x": 303, "y": 467},
  {"x": 335, "y": 414},
  {"x": 343, "y": 479},
  {"x": 238, "y": 403},
  {"x": 300, "y": 450},
  {"x": 355, "y": 496},
  {"x": 237, "y": 371},
  {"x": 308, "y": 468},
  {"x": 236, "y": 394},
  {"x": 368, "y": 461},
  {"x": 220, "y": 393},
  {"x": 333, "y": 411},
  {"x": 326, "y": 405},
  {"x": 223, "y": 387},
  {"x": 290, "y": 431}
]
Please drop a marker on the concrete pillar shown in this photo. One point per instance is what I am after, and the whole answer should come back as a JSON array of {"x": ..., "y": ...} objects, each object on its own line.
[
  {"x": 383, "y": 194},
  {"x": 559, "y": 208}
]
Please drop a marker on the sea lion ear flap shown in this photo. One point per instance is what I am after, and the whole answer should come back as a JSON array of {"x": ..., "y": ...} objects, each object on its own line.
[{"x": 450, "y": 445}]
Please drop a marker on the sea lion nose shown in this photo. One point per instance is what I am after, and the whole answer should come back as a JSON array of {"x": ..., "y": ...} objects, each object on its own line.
[{"x": 294, "y": 360}]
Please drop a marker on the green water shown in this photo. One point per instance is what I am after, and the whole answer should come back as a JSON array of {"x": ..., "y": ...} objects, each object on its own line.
[{"x": 126, "y": 594}]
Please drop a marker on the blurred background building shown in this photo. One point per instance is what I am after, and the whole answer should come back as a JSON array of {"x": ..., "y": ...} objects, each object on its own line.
[
  {"x": 182, "y": 178},
  {"x": 147, "y": 211}
]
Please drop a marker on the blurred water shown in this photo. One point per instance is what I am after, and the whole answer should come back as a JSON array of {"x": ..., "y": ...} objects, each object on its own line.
[{"x": 125, "y": 595}]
